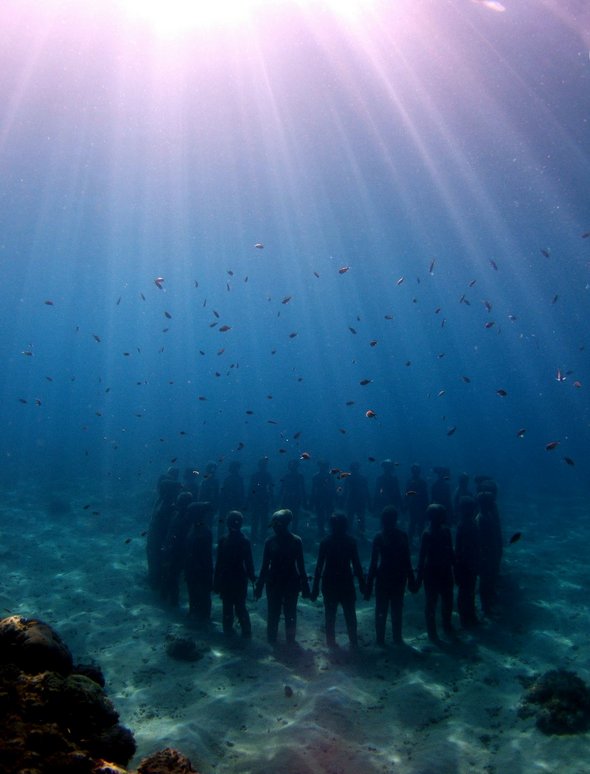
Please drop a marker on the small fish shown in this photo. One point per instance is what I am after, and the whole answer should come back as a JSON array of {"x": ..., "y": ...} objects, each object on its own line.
[
  {"x": 466, "y": 379},
  {"x": 158, "y": 282},
  {"x": 493, "y": 264},
  {"x": 96, "y": 338},
  {"x": 240, "y": 446},
  {"x": 577, "y": 384},
  {"x": 551, "y": 445},
  {"x": 230, "y": 272},
  {"x": 292, "y": 335},
  {"x": 50, "y": 303},
  {"x": 372, "y": 459},
  {"x": 400, "y": 280},
  {"x": 316, "y": 274},
  {"x": 342, "y": 430},
  {"x": 569, "y": 461},
  {"x": 364, "y": 382},
  {"x": 27, "y": 353},
  {"x": 117, "y": 304},
  {"x": 286, "y": 299},
  {"x": 350, "y": 403},
  {"x": 559, "y": 377},
  {"x": 202, "y": 397},
  {"x": 489, "y": 324},
  {"x": 389, "y": 317},
  {"x": 343, "y": 269},
  {"x": 471, "y": 284},
  {"x": 305, "y": 456},
  {"x": 546, "y": 251},
  {"x": 440, "y": 393},
  {"x": 23, "y": 400},
  {"x": 520, "y": 433},
  {"x": 431, "y": 267},
  {"x": 297, "y": 435},
  {"x": 225, "y": 328},
  {"x": 271, "y": 422},
  {"x": 512, "y": 317},
  {"x": 515, "y": 538},
  {"x": 554, "y": 299},
  {"x": 373, "y": 343},
  {"x": 410, "y": 493},
  {"x": 488, "y": 305},
  {"x": 249, "y": 412},
  {"x": 168, "y": 315},
  {"x": 352, "y": 330},
  {"x": 501, "y": 393},
  {"x": 128, "y": 541},
  {"x": 370, "y": 414},
  {"x": 451, "y": 431}
]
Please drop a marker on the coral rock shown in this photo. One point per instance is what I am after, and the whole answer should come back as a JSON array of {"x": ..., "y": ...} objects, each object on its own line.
[
  {"x": 166, "y": 761},
  {"x": 33, "y": 646},
  {"x": 561, "y": 702}
]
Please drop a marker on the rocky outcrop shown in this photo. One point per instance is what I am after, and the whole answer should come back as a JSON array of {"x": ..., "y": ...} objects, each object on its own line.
[
  {"x": 560, "y": 702},
  {"x": 56, "y": 718}
]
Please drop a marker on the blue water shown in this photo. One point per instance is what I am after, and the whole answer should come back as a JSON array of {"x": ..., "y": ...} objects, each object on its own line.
[{"x": 445, "y": 143}]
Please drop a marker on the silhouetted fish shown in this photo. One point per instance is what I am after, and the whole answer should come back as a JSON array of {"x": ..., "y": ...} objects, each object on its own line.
[{"x": 515, "y": 538}]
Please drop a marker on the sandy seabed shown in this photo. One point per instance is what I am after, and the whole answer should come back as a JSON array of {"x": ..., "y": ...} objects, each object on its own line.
[{"x": 416, "y": 709}]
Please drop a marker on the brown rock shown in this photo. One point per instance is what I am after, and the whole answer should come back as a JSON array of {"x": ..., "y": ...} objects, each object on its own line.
[
  {"x": 166, "y": 761},
  {"x": 33, "y": 646}
]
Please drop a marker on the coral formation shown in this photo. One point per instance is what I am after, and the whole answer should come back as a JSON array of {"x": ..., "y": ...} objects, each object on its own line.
[
  {"x": 561, "y": 702},
  {"x": 166, "y": 761},
  {"x": 56, "y": 718},
  {"x": 183, "y": 649}
]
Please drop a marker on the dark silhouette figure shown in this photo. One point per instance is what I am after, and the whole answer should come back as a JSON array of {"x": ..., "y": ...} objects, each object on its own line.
[
  {"x": 233, "y": 569},
  {"x": 174, "y": 550},
  {"x": 435, "y": 568},
  {"x": 462, "y": 490},
  {"x": 191, "y": 482},
  {"x": 466, "y": 561},
  {"x": 391, "y": 571},
  {"x": 356, "y": 497},
  {"x": 198, "y": 563},
  {"x": 168, "y": 490},
  {"x": 232, "y": 496},
  {"x": 283, "y": 574},
  {"x": 323, "y": 495},
  {"x": 416, "y": 502},
  {"x": 490, "y": 549},
  {"x": 260, "y": 499},
  {"x": 387, "y": 491},
  {"x": 209, "y": 493},
  {"x": 292, "y": 495},
  {"x": 440, "y": 492},
  {"x": 337, "y": 566}
]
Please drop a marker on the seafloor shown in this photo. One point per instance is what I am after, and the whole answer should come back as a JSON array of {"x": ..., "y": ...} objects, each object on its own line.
[{"x": 419, "y": 709}]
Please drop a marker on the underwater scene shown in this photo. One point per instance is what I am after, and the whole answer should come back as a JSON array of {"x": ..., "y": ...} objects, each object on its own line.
[{"x": 294, "y": 393}]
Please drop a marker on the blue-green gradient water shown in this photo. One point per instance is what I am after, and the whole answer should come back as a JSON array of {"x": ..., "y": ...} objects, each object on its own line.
[{"x": 437, "y": 151}]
